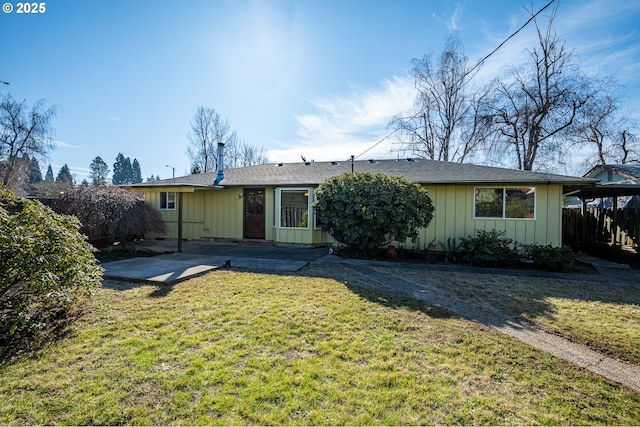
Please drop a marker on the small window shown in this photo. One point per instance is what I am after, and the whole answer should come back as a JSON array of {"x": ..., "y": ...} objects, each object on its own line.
[
  {"x": 511, "y": 203},
  {"x": 294, "y": 208},
  {"x": 167, "y": 200}
]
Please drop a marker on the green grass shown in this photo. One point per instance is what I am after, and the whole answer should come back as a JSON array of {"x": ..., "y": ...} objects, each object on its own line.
[
  {"x": 604, "y": 316},
  {"x": 260, "y": 348}
]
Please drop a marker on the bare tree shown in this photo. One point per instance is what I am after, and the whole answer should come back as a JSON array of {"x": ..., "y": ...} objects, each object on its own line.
[
  {"x": 251, "y": 155},
  {"x": 450, "y": 121},
  {"x": 608, "y": 134},
  {"x": 624, "y": 148},
  {"x": 207, "y": 130},
  {"x": 537, "y": 106},
  {"x": 23, "y": 130}
]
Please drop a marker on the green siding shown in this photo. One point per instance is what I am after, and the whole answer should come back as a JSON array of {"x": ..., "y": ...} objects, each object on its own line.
[
  {"x": 212, "y": 214},
  {"x": 454, "y": 217}
]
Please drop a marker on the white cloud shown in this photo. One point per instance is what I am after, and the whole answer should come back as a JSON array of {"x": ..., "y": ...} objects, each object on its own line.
[
  {"x": 113, "y": 119},
  {"x": 342, "y": 126},
  {"x": 62, "y": 144},
  {"x": 453, "y": 24}
]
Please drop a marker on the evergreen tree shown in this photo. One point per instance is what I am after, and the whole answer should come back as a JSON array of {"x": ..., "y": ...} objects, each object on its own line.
[
  {"x": 33, "y": 170},
  {"x": 98, "y": 171},
  {"x": 49, "y": 175},
  {"x": 151, "y": 178},
  {"x": 136, "y": 173},
  {"x": 128, "y": 171},
  {"x": 122, "y": 170},
  {"x": 64, "y": 176}
]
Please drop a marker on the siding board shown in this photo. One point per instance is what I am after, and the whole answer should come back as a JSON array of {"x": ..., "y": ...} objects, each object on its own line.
[{"x": 219, "y": 214}]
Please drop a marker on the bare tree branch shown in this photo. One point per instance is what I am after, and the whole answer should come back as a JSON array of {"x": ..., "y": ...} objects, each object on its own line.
[{"x": 23, "y": 131}]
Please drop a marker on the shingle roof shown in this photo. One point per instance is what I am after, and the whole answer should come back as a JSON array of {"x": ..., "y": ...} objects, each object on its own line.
[
  {"x": 628, "y": 171},
  {"x": 418, "y": 170}
]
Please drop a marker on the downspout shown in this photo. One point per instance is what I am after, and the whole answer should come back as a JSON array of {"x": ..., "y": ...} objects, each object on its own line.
[{"x": 220, "y": 175}]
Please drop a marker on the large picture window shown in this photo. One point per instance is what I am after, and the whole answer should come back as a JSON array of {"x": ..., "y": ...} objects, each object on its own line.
[
  {"x": 509, "y": 202},
  {"x": 294, "y": 208},
  {"x": 167, "y": 200}
]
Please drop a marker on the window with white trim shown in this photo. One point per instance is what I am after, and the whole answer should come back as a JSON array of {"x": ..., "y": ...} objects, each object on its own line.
[
  {"x": 505, "y": 203},
  {"x": 167, "y": 200},
  {"x": 294, "y": 208}
]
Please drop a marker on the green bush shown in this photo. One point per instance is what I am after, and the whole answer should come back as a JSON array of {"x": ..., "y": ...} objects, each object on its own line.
[
  {"x": 365, "y": 211},
  {"x": 488, "y": 249},
  {"x": 45, "y": 266},
  {"x": 550, "y": 257}
]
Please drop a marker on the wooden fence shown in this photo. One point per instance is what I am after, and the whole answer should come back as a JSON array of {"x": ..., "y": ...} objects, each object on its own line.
[{"x": 601, "y": 226}]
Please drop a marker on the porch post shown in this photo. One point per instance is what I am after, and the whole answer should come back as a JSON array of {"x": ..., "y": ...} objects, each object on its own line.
[{"x": 180, "y": 221}]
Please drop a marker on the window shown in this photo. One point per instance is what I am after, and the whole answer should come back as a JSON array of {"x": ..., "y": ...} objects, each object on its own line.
[
  {"x": 511, "y": 202},
  {"x": 294, "y": 208},
  {"x": 167, "y": 200}
]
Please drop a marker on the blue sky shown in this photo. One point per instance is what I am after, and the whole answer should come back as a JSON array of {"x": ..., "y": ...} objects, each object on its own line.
[{"x": 313, "y": 78}]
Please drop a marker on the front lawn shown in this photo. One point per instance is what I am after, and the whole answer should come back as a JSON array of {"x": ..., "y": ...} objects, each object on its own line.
[
  {"x": 604, "y": 316},
  {"x": 307, "y": 349}
]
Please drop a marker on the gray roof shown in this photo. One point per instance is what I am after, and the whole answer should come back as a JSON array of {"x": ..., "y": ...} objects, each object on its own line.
[
  {"x": 418, "y": 170},
  {"x": 626, "y": 170}
]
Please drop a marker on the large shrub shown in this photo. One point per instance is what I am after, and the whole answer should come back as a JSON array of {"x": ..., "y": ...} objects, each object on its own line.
[
  {"x": 366, "y": 211},
  {"x": 109, "y": 213},
  {"x": 45, "y": 266}
]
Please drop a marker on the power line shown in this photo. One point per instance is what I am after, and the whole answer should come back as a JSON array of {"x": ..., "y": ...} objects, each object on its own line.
[
  {"x": 465, "y": 74},
  {"x": 509, "y": 38}
]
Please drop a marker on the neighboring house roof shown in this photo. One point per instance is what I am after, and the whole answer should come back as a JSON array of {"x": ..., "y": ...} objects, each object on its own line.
[
  {"x": 631, "y": 172},
  {"x": 419, "y": 171}
]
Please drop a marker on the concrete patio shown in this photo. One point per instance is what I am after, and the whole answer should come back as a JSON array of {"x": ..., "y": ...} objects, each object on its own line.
[{"x": 199, "y": 258}]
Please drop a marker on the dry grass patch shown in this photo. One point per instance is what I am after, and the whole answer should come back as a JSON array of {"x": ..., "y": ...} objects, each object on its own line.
[
  {"x": 311, "y": 349},
  {"x": 604, "y": 316}
]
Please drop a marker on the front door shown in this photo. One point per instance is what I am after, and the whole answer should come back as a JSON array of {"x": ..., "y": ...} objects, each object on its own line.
[{"x": 254, "y": 213}]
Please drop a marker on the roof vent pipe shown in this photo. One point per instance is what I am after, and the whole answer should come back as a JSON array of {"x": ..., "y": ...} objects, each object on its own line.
[{"x": 220, "y": 175}]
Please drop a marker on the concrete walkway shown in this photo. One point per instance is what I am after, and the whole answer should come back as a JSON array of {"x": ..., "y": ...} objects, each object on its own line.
[{"x": 614, "y": 370}]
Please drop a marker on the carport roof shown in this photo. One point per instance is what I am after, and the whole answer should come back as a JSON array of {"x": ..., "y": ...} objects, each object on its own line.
[
  {"x": 416, "y": 170},
  {"x": 608, "y": 190}
]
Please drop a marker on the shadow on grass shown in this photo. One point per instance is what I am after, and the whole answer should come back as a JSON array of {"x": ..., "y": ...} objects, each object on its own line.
[
  {"x": 374, "y": 293},
  {"x": 30, "y": 342},
  {"x": 160, "y": 289}
]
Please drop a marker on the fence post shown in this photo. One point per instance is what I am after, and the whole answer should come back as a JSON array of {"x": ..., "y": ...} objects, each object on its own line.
[
  {"x": 584, "y": 237},
  {"x": 614, "y": 223}
]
